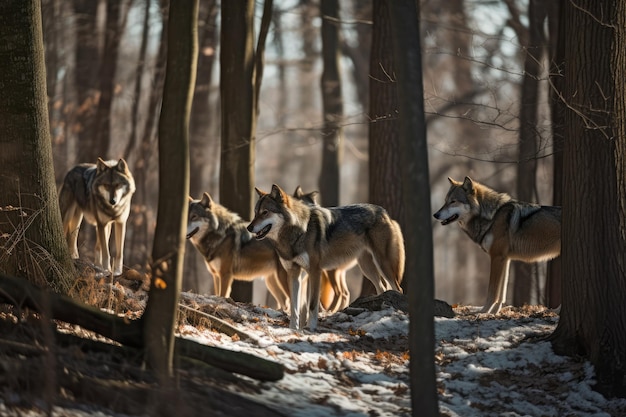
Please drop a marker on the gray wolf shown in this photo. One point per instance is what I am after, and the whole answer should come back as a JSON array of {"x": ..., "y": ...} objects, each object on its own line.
[
  {"x": 230, "y": 251},
  {"x": 101, "y": 193},
  {"x": 505, "y": 228},
  {"x": 334, "y": 293},
  {"x": 313, "y": 238}
]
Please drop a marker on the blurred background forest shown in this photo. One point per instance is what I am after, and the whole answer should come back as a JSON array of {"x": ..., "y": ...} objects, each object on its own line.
[{"x": 105, "y": 62}]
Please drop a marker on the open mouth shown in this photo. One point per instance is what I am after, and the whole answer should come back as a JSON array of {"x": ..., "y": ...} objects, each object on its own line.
[
  {"x": 263, "y": 232},
  {"x": 193, "y": 232},
  {"x": 450, "y": 219}
]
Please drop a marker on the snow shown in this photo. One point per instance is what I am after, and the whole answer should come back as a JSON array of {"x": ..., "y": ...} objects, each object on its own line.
[{"x": 357, "y": 365}]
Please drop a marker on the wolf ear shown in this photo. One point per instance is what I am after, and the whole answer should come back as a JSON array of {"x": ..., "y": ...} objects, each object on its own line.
[
  {"x": 206, "y": 200},
  {"x": 259, "y": 192},
  {"x": 101, "y": 165},
  {"x": 298, "y": 193},
  {"x": 468, "y": 185},
  {"x": 190, "y": 198},
  {"x": 122, "y": 166},
  {"x": 278, "y": 194}
]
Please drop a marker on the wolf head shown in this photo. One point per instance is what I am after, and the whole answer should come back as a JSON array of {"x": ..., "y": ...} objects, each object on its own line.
[
  {"x": 200, "y": 218},
  {"x": 460, "y": 202},
  {"x": 307, "y": 198},
  {"x": 113, "y": 181},
  {"x": 271, "y": 212}
]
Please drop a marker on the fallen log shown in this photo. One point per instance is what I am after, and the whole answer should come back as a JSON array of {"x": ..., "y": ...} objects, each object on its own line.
[{"x": 21, "y": 293}]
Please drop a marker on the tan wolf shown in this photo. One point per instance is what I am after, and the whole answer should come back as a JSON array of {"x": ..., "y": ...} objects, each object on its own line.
[
  {"x": 313, "y": 238},
  {"x": 505, "y": 228},
  {"x": 230, "y": 251},
  {"x": 101, "y": 193}
]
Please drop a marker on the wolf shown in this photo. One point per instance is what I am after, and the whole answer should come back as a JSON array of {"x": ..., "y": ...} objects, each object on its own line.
[
  {"x": 230, "y": 251},
  {"x": 334, "y": 293},
  {"x": 505, "y": 228},
  {"x": 312, "y": 238},
  {"x": 101, "y": 193}
]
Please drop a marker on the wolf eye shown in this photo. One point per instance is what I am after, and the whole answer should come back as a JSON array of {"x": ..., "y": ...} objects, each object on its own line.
[{"x": 264, "y": 212}]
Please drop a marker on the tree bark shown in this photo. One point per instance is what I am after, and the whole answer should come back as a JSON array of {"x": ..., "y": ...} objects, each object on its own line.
[
  {"x": 237, "y": 90},
  {"x": 416, "y": 190},
  {"x": 169, "y": 240},
  {"x": 33, "y": 243},
  {"x": 593, "y": 317},
  {"x": 332, "y": 104},
  {"x": 385, "y": 167},
  {"x": 529, "y": 137}
]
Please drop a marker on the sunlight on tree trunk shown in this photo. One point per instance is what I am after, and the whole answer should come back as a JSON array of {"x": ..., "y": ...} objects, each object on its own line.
[{"x": 32, "y": 240}]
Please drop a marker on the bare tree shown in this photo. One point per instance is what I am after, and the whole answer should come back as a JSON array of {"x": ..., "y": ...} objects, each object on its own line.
[
  {"x": 416, "y": 192},
  {"x": 239, "y": 86},
  {"x": 385, "y": 167},
  {"x": 32, "y": 243},
  {"x": 332, "y": 104},
  {"x": 593, "y": 317},
  {"x": 533, "y": 45},
  {"x": 169, "y": 241}
]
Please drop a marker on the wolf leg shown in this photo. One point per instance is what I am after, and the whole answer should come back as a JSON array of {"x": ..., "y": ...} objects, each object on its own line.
[
  {"x": 369, "y": 269},
  {"x": 296, "y": 299},
  {"x": 226, "y": 283},
  {"x": 497, "y": 284},
  {"x": 103, "y": 257},
  {"x": 118, "y": 261},
  {"x": 315, "y": 277},
  {"x": 278, "y": 292},
  {"x": 71, "y": 222}
]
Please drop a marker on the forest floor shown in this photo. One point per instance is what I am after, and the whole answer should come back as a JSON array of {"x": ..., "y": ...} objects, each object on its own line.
[{"x": 356, "y": 364}]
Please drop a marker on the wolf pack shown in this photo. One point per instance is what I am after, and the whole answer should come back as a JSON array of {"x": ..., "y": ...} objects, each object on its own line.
[{"x": 303, "y": 249}]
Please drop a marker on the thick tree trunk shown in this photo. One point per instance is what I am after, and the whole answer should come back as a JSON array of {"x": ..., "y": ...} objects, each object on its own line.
[
  {"x": 593, "y": 317},
  {"x": 32, "y": 241}
]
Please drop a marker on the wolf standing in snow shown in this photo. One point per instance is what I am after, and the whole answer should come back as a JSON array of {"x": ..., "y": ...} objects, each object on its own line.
[
  {"x": 505, "y": 228},
  {"x": 313, "y": 238}
]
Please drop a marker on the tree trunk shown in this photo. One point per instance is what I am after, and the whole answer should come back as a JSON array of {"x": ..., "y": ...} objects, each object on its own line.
[
  {"x": 237, "y": 89},
  {"x": 106, "y": 80},
  {"x": 529, "y": 137},
  {"x": 416, "y": 192},
  {"x": 169, "y": 240},
  {"x": 385, "y": 167},
  {"x": 205, "y": 159},
  {"x": 332, "y": 104},
  {"x": 593, "y": 317},
  {"x": 86, "y": 65},
  {"x": 33, "y": 243},
  {"x": 557, "y": 46}
]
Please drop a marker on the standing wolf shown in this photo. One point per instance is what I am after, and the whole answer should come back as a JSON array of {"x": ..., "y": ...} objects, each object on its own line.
[
  {"x": 505, "y": 228},
  {"x": 101, "y": 193},
  {"x": 230, "y": 252},
  {"x": 314, "y": 238}
]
